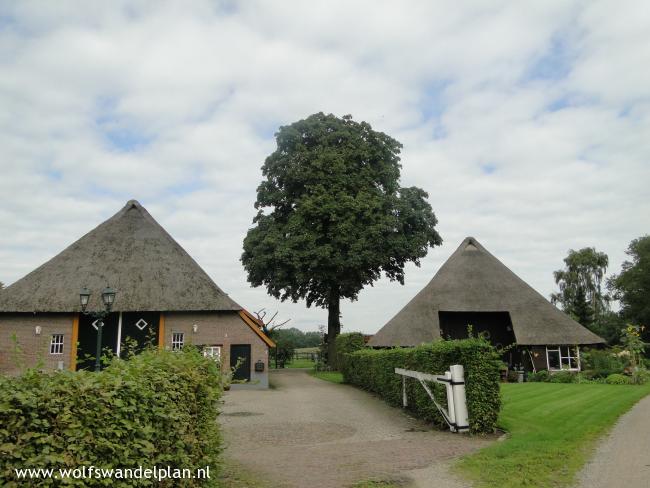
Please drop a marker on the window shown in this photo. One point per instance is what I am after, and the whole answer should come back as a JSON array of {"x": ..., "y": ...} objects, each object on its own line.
[
  {"x": 213, "y": 352},
  {"x": 563, "y": 357},
  {"x": 56, "y": 345},
  {"x": 178, "y": 340}
]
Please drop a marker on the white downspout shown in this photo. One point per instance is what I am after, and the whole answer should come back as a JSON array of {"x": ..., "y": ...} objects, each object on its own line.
[{"x": 119, "y": 335}]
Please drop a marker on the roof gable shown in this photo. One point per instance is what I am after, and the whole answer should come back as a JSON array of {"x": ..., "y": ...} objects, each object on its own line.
[
  {"x": 473, "y": 280},
  {"x": 132, "y": 253}
]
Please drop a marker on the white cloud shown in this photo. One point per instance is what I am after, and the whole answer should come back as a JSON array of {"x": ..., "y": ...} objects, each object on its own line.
[{"x": 528, "y": 124}]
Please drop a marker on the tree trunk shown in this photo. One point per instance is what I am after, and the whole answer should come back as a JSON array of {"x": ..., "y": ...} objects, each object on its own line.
[{"x": 333, "y": 327}]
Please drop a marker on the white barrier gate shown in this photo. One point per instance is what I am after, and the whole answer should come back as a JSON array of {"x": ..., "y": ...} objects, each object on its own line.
[{"x": 454, "y": 380}]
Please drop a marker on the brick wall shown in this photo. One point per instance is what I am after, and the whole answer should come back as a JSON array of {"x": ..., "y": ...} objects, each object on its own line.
[
  {"x": 34, "y": 347},
  {"x": 219, "y": 329}
]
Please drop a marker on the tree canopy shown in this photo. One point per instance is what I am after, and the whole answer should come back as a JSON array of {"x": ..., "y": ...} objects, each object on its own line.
[
  {"x": 332, "y": 216},
  {"x": 580, "y": 284},
  {"x": 632, "y": 285}
]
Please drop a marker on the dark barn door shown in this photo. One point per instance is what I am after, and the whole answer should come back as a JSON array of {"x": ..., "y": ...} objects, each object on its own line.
[
  {"x": 496, "y": 327},
  {"x": 241, "y": 351},
  {"x": 139, "y": 329},
  {"x": 87, "y": 340}
]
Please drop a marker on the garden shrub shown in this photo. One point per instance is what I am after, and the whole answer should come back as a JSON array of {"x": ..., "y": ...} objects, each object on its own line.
[
  {"x": 617, "y": 379},
  {"x": 640, "y": 377},
  {"x": 539, "y": 376},
  {"x": 602, "y": 362},
  {"x": 348, "y": 343},
  {"x": 156, "y": 409},
  {"x": 374, "y": 370},
  {"x": 562, "y": 377}
]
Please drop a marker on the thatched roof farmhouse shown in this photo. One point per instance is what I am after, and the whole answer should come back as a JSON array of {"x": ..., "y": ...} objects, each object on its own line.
[
  {"x": 157, "y": 283},
  {"x": 474, "y": 288}
]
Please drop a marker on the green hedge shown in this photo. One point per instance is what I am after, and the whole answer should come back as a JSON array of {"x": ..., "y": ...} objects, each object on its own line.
[
  {"x": 155, "y": 409},
  {"x": 374, "y": 370},
  {"x": 346, "y": 344}
]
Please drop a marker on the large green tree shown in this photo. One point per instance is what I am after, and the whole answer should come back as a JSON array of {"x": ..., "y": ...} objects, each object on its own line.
[
  {"x": 332, "y": 216},
  {"x": 580, "y": 284},
  {"x": 632, "y": 285}
]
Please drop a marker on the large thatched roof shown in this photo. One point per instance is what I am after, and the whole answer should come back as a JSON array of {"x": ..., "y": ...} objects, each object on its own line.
[
  {"x": 472, "y": 280},
  {"x": 132, "y": 253}
]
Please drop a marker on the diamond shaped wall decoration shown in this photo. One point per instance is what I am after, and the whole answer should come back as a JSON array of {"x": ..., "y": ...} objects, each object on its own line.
[
  {"x": 97, "y": 323},
  {"x": 141, "y": 324}
]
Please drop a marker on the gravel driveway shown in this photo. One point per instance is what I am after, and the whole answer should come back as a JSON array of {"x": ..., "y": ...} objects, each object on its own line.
[
  {"x": 308, "y": 432},
  {"x": 622, "y": 459}
]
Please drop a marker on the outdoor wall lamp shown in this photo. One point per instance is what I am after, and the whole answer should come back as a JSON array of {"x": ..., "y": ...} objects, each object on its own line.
[
  {"x": 195, "y": 328},
  {"x": 108, "y": 299},
  {"x": 38, "y": 329}
]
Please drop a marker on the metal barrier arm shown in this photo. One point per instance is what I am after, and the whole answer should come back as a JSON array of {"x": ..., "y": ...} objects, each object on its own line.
[{"x": 456, "y": 413}]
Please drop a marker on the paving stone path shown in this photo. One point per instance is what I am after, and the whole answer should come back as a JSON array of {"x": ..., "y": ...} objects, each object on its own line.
[
  {"x": 308, "y": 432},
  {"x": 622, "y": 459}
]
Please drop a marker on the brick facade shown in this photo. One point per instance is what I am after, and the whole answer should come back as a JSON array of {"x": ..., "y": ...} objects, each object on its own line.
[
  {"x": 219, "y": 329},
  {"x": 212, "y": 329},
  {"x": 34, "y": 349}
]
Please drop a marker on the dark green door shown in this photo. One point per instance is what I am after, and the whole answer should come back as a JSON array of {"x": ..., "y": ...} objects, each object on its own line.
[
  {"x": 87, "y": 339},
  {"x": 139, "y": 329},
  {"x": 242, "y": 351}
]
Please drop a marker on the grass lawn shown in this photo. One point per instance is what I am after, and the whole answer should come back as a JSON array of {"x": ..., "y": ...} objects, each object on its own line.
[
  {"x": 332, "y": 376},
  {"x": 552, "y": 428},
  {"x": 301, "y": 363}
]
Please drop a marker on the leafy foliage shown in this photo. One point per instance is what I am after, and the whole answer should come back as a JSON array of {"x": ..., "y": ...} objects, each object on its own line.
[
  {"x": 632, "y": 285},
  {"x": 608, "y": 326},
  {"x": 297, "y": 337},
  {"x": 580, "y": 285},
  {"x": 288, "y": 340},
  {"x": 332, "y": 217},
  {"x": 374, "y": 370},
  {"x": 348, "y": 343},
  {"x": 617, "y": 379},
  {"x": 155, "y": 409},
  {"x": 634, "y": 345},
  {"x": 600, "y": 363}
]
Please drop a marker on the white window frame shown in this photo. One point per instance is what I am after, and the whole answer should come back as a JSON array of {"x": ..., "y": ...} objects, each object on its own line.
[
  {"x": 564, "y": 359},
  {"x": 178, "y": 340},
  {"x": 56, "y": 344},
  {"x": 209, "y": 352}
]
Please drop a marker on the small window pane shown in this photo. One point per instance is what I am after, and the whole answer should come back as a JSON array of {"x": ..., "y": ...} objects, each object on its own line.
[
  {"x": 56, "y": 345},
  {"x": 553, "y": 359},
  {"x": 178, "y": 340},
  {"x": 213, "y": 352}
]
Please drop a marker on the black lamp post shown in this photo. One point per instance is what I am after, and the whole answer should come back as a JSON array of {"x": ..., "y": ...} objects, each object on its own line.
[{"x": 108, "y": 298}]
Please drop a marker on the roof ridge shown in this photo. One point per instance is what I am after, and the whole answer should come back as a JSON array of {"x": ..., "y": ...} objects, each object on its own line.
[{"x": 135, "y": 254}]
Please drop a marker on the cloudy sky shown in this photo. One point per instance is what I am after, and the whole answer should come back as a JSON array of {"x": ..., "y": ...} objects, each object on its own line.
[{"x": 528, "y": 123}]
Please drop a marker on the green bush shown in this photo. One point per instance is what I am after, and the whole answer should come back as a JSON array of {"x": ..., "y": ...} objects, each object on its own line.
[
  {"x": 374, "y": 370},
  {"x": 539, "y": 376},
  {"x": 617, "y": 379},
  {"x": 562, "y": 377},
  {"x": 602, "y": 362},
  {"x": 640, "y": 377},
  {"x": 346, "y": 344},
  {"x": 155, "y": 409}
]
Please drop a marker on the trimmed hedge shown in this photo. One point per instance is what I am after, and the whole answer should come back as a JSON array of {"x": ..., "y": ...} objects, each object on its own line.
[
  {"x": 348, "y": 343},
  {"x": 155, "y": 409},
  {"x": 374, "y": 370}
]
